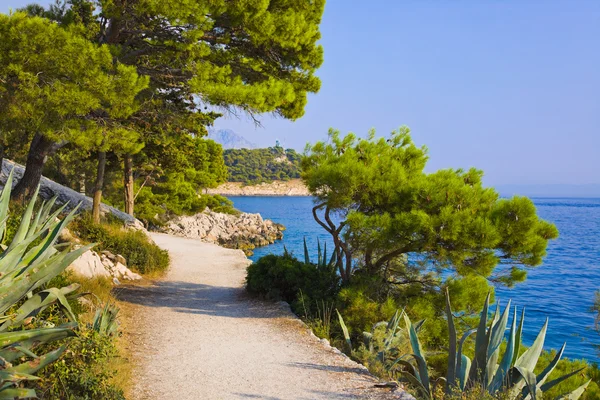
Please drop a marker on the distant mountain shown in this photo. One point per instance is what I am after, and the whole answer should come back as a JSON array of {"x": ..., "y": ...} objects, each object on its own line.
[
  {"x": 229, "y": 139},
  {"x": 557, "y": 190}
]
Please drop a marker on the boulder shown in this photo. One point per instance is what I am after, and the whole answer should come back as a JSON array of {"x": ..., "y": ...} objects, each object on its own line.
[
  {"x": 244, "y": 231},
  {"x": 89, "y": 265}
]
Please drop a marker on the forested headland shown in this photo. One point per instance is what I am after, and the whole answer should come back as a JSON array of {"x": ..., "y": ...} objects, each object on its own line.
[{"x": 252, "y": 166}]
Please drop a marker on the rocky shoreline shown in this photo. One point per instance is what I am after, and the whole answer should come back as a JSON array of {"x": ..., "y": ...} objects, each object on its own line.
[
  {"x": 244, "y": 231},
  {"x": 293, "y": 187}
]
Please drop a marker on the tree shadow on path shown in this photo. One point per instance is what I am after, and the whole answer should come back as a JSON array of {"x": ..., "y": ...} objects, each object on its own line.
[{"x": 197, "y": 298}]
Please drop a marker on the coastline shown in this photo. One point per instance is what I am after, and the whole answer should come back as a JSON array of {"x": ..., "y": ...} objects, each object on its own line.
[{"x": 291, "y": 188}]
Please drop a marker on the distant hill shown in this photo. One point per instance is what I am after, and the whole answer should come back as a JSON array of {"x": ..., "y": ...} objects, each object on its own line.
[
  {"x": 557, "y": 190},
  {"x": 252, "y": 166},
  {"x": 229, "y": 139}
]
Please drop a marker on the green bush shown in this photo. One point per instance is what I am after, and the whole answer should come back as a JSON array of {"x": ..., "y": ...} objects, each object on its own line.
[
  {"x": 141, "y": 254},
  {"x": 285, "y": 277},
  {"x": 84, "y": 372}
]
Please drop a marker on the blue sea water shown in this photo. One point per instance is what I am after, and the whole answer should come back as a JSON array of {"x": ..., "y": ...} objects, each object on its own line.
[{"x": 562, "y": 288}]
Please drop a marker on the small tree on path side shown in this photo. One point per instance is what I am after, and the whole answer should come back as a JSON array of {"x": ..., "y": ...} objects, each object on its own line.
[{"x": 387, "y": 217}]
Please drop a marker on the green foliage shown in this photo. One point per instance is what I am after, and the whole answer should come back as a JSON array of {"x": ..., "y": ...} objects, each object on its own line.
[
  {"x": 511, "y": 373},
  {"x": 262, "y": 165},
  {"x": 27, "y": 262},
  {"x": 56, "y": 83},
  {"x": 361, "y": 312},
  {"x": 285, "y": 277},
  {"x": 141, "y": 254},
  {"x": 446, "y": 220},
  {"x": 84, "y": 372}
]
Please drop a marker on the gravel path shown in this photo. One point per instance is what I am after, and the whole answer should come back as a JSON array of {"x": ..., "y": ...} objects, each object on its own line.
[{"x": 196, "y": 335}]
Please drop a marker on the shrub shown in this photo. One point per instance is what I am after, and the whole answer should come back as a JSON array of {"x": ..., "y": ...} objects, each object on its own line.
[
  {"x": 84, "y": 372},
  {"x": 141, "y": 254},
  {"x": 284, "y": 277}
]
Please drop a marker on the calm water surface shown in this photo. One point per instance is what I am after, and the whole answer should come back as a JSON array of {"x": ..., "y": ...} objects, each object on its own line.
[{"x": 561, "y": 289}]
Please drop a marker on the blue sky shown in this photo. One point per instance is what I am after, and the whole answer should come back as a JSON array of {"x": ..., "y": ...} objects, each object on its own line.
[{"x": 510, "y": 87}]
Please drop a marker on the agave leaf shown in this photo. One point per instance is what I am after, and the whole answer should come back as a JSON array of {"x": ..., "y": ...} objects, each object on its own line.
[
  {"x": 48, "y": 335},
  {"x": 575, "y": 394},
  {"x": 419, "y": 325},
  {"x": 491, "y": 368},
  {"x": 518, "y": 338},
  {"x": 25, "y": 222},
  {"x": 541, "y": 378},
  {"x": 306, "y": 256},
  {"x": 548, "y": 385},
  {"x": 391, "y": 329},
  {"x": 40, "y": 302},
  {"x": 416, "y": 382},
  {"x": 451, "y": 375},
  {"x": 4, "y": 202},
  {"x": 500, "y": 377},
  {"x": 345, "y": 330},
  {"x": 17, "y": 393},
  {"x": 530, "y": 358},
  {"x": 10, "y": 338},
  {"x": 45, "y": 212},
  {"x": 530, "y": 381},
  {"x": 463, "y": 371},
  {"x": 33, "y": 366},
  {"x": 481, "y": 345},
  {"x": 418, "y": 354},
  {"x": 497, "y": 331},
  {"x": 463, "y": 375},
  {"x": 7, "y": 376},
  {"x": 319, "y": 255},
  {"x": 333, "y": 259}
]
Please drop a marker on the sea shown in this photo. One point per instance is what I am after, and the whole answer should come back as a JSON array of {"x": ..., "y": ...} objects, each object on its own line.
[{"x": 562, "y": 289}]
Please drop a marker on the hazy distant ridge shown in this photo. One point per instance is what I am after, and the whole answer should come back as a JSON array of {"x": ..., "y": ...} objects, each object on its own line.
[{"x": 229, "y": 139}]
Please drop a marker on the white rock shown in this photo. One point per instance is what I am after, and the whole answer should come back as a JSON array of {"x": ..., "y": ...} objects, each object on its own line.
[{"x": 89, "y": 265}]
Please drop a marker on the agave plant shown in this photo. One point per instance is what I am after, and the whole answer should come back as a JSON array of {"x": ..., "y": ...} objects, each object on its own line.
[
  {"x": 386, "y": 349},
  {"x": 105, "y": 320},
  {"x": 322, "y": 261},
  {"x": 510, "y": 374},
  {"x": 28, "y": 262}
]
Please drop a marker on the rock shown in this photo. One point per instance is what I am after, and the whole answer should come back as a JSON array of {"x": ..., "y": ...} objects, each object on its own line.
[
  {"x": 244, "y": 231},
  {"x": 65, "y": 236},
  {"x": 49, "y": 189},
  {"x": 120, "y": 259},
  {"x": 89, "y": 265},
  {"x": 108, "y": 255}
]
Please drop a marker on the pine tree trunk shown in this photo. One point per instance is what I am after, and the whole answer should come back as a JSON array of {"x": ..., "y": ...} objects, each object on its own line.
[
  {"x": 39, "y": 150},
  {"x": 98, "y": 187},
  {"x": 82, "y": 184},
  {"x": 128, "y": 184}
]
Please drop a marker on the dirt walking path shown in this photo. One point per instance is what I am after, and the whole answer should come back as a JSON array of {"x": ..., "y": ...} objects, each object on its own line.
[{"x": 196, "y": 335}]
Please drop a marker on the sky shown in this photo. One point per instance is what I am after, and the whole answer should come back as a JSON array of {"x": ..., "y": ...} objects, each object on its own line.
[{"x": 509, "y": 87}]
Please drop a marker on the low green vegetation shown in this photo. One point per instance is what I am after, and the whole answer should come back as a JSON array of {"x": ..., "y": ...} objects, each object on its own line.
[
  {"x": 405, "y": 242},
  {"x": 252, "y": 166},
  {"x": 141, "y": 253},
  {"x": 46, "y": 350}
]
